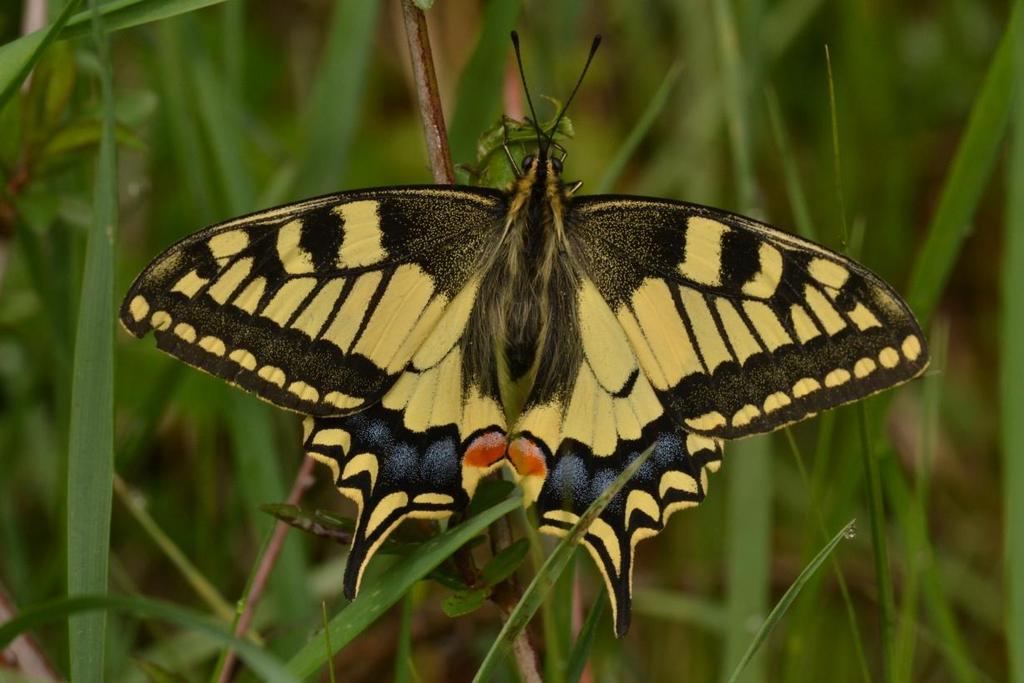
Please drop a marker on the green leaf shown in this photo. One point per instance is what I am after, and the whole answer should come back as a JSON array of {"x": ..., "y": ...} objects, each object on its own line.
[
  {"x": 262, "y": 663},
  {"x": 548, "y": 573},
  {"x": 465, "y": 602},
  {"x": 82, "y": 135},
  {"x": 967, "y": 179},
  {"x": 56, "y": 76},
  {"x": 18, "y": 57},
  {"x": 91, "y": 430},
  {"x": 505, "y": 563},
  {"x": 377, "y": 597},
  {"x": 323, "y": 525},
  {"x": 488, "y": 494},
  {"x": 788, "y": 597}
]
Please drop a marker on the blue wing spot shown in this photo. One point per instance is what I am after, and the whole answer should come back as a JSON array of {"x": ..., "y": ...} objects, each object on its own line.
[
  {"x": 399, "y": 464},
  {"x": 668, "y": 448},
  {"x": 441, "y": 463}
]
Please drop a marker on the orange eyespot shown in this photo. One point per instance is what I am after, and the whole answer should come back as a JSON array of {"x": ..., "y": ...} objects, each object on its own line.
[
  {"x": 527, "y": 457},
  {"x": 485, "y": 450}
]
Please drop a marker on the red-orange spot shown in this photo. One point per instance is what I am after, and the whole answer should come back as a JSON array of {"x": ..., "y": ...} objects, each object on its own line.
[
  {"x": 485, "y": 450},
  {"x": 527, "y": 457}
]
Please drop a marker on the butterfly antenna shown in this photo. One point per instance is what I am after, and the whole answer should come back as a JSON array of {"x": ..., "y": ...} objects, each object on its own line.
[
  {"x": 593, "y": 49},
  {"x": 522, "y": 76}
]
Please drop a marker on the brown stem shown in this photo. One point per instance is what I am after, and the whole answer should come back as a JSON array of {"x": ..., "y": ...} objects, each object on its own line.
[
  {"x": 427, "y": 93},
  {"x": 506, "y": 596},
  {"x": 303, "y": 480}
]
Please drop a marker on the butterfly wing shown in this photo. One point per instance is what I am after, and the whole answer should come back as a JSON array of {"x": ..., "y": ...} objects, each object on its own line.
[
  {"x": 742, "y": 328},
  {"x": 580, "y": 428},
  {"x": 318, "y": 306},
  {"x": 419, "y": 452},
  {"x": 690, "y": 326}
]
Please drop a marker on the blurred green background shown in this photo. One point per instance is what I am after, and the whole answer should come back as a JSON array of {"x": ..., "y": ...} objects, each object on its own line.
[{"x": 241, "y": 106}]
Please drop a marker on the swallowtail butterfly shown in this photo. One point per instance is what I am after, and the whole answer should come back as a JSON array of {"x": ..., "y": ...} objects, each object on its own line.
[{"x": 433, "y": 334}]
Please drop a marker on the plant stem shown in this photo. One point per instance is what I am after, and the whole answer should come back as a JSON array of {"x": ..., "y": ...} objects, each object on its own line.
[
  {"x": 431, "y": 114},
  {"x": 303, "y": 480}
]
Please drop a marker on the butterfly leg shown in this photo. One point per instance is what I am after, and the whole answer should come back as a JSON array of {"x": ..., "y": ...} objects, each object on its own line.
[
  {"x": 508, "y": 152},
  {"x": 563, "y": 153}
]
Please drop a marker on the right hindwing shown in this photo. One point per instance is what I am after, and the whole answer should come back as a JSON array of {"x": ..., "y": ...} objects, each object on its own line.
[{"x": 319, "y": 306}]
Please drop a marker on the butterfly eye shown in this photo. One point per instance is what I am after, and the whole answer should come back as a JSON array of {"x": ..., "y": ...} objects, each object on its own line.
[
  {"x": 556, "y": 166},
  {"x": 528, "y": 162}
]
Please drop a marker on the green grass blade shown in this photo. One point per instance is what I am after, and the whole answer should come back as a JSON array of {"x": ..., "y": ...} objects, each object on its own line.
[
  {"x": 337, "y": 97},
  {"x": 815, "y": 504},
  {"x": 263, "y": 663},
  {"x": 787, "y": 599},
  {"x": 747, "y": 545},
  {"x": 618, "y": 163},
  {"x": 403, "y": 653},
  {"x": 735, "y": 88},
  {"x": 549, "y": 572},
  {"x": 478, "y": 98},
  {"x": 219, "y": 113},
  {"x": 18, "y": 58},
  {"x": 935, "y": 596},
  {"x": 328, "y": 650},
  {"x": 1011, "y": 371},
  {"x": 972, "y": 166},
  {"x": 91, "y": 429},
  {"x": 581, "y": 650},
  {"x": 376, "y": 598},
  {"x": 876, "y": 512},
  {"x": 837, "y": 160}
]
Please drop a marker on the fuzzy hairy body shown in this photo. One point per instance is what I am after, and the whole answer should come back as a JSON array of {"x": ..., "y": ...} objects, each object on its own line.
[{"x": 526, "y": 303}]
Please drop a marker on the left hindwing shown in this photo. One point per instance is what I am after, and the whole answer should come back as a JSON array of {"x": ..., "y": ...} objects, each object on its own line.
[{"x": 739, "y": 327}]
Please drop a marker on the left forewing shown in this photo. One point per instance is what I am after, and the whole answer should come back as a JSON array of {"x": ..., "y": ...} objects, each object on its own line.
[{"x": 318, "y": 306}]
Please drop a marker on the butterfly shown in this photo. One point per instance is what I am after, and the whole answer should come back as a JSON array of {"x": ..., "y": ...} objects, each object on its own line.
[{"x": 434, "y": 334}]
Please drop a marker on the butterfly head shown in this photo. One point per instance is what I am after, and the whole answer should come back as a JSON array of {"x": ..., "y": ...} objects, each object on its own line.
[{"x": 541, "y": 166}]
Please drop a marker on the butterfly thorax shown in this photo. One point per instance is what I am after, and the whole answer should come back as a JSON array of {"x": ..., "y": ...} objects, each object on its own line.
[{"x": 522, "y": 308}]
